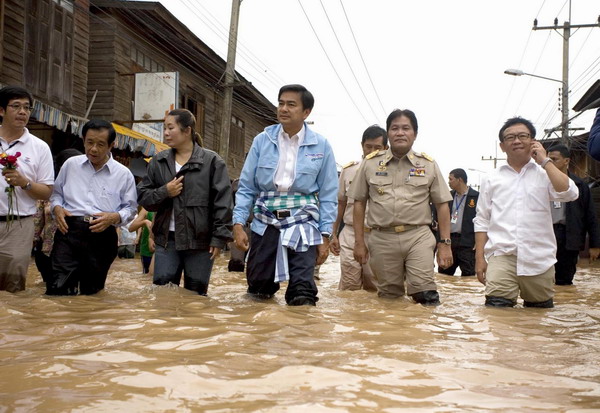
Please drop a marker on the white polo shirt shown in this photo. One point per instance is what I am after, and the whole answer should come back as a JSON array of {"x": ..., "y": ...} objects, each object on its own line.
[{"x": 35, "y": 163}]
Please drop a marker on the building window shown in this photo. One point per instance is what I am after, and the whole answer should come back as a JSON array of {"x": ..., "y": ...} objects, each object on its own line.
[
  {"x": 144, "y": 62},
  {"x": 196, "y": 106},
  {"x": 237, "y": 136},
  {"x": 48, "y": 60}
]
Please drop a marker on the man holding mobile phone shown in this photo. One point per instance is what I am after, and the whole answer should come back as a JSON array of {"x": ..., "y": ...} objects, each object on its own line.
[{"x": 515, "y": 248}]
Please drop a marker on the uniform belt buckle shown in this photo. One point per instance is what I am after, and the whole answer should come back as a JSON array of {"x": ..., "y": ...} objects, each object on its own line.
[
  {"x": 88, "y": 218},
  {"x": 283, "y": 213},
  {"x": 399, "y": 228}
]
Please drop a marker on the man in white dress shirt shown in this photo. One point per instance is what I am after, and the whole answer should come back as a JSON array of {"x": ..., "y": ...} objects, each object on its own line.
[
  {"x": 515, "y": 248},
  {"x": 93, "y": 194}
]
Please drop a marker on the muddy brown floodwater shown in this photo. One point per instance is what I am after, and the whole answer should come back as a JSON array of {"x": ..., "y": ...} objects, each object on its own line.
[{"x": 139, "y": 348}]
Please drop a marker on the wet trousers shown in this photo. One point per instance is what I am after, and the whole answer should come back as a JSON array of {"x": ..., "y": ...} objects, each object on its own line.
[
  {"x": 260, "y": 271},
  {"x": 81, "y": 259},
  {"x": 16, "y": 241}
]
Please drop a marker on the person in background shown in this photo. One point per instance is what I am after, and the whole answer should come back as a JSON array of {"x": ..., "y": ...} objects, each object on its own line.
[
  {"x": 93, "y": 194},
  {"x": 30, "y": 181},
  {"x": 515, "y": 248},
  {"x": 290, "y": 178},
  {"x": 399, "y": 185},
  {"x": 462, "y": 211},
  {"x": 572, "y": 222},
  {"x": 593, "y": 142},
  {"x": 143, "y": 222},
  {"x": 354, "y": 275},
  {"x": 189, "y": 189},
  {"x": 127, "y": 242},
  {"x": 45, "y": 225}
]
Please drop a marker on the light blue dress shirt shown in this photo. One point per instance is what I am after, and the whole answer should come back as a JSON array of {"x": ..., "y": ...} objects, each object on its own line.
[{"x": 82, "y": 190}]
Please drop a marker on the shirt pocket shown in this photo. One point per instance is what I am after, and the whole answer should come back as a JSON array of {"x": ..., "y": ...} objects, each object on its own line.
[
  {"x": 265, "y": 171},
  {"x": 197, "y": 214},
  {"x": 306, "y": 176},
  {"x": 381, "y": 189},
  {"x": 109, "y": 200},
  {"x": 538, "y": 198}
]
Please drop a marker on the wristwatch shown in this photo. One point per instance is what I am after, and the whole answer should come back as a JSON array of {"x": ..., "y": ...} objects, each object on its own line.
[
  {"x": 327, "y": 235},
  {"x": 446, "y": 241},
  {"x": 27, "y": 186}
]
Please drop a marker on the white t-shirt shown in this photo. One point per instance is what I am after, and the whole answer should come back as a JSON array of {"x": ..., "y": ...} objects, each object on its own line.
[{"x": 172, "y": 222}]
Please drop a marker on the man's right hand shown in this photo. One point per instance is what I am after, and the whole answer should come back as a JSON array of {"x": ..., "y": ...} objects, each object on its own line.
[
  {"x": 175, "y": 187},
  {"x": 334, "y": 245},
  {"x": 59, "y": 216},
  {"x": 481, "y": 269},
  {"x": 361, "y": 253},
  {"x": 240, "y": 238}
]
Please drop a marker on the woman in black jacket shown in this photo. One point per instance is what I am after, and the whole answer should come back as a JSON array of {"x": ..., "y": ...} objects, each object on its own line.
[{"x": 189, "y": 189}]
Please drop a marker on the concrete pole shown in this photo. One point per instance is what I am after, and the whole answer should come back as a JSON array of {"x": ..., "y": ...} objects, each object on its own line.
[
  {"x": 229, "y": 80},
  {"x": 565, "y": 87}
]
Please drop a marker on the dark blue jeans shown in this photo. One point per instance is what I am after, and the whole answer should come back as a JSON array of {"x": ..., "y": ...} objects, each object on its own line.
[{"x": 169, "y": 262}]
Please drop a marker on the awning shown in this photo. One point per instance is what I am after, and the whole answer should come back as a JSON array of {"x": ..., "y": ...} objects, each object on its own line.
[
  {"x": 42, "y": 112},
  {"x": 135, "y": 141}
]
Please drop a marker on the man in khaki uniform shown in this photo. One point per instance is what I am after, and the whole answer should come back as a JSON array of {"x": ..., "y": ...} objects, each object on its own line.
[
  {"x": 354, "y": 275},
  {"x": 399, "y": 185}
]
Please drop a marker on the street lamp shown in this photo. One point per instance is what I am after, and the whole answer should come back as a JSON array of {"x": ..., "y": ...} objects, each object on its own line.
[{"x": 565, "y": 99}]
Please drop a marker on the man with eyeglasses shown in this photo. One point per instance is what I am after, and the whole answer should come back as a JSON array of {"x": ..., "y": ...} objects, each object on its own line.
[
  {"x": 515, "y": 248},
  {"x": 31, "y": 180}
]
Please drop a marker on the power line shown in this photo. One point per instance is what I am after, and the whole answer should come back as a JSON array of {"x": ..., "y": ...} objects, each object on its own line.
[
  {"x": 362, "y": 59},
  {"x": 331, "y": 63},
  {"x": 347, "y": 61}
]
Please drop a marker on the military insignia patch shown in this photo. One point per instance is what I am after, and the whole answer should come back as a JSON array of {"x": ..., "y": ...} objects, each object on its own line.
[{"x": 471, "y": 203}]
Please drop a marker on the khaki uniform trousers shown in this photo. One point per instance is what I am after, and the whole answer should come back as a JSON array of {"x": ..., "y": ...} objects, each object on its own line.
[
  {"x": 354, "y": 275},
  {"x": 16, "y": 243},
  {"x": 502, "y": 281},
  {"x": 399, "y": 257}
]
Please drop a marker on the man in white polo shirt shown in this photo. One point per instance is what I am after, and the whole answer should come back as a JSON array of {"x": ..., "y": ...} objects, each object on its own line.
[{"x": 31, "y": 180}]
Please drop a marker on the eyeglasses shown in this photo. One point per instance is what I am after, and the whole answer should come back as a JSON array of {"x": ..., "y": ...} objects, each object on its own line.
[
  {"x": 17, "y": 107},
  {"x": 521, "y": 136}
]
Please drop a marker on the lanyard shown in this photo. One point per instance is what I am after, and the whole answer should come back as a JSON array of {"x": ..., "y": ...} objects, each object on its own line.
[{"x": 459, "y": 203}]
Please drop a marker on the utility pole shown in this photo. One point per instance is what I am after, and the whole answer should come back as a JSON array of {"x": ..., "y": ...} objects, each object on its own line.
[
  {"x": 229, "y": 81},
  {"x": 566, "y": 35},
  {"x": 495, "y": 159}
]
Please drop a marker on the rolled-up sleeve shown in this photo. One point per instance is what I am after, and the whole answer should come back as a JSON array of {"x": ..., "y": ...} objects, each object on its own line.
[{"x": 484, "y": 207}]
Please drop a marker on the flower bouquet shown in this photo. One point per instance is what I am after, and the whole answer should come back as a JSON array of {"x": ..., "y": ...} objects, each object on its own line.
[{"x": 10, "y": 162}]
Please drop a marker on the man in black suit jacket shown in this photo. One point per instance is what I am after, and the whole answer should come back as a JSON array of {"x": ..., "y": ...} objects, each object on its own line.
[
  {"x": 462, "y": 211},
  {"x": 572, "y": 222}
]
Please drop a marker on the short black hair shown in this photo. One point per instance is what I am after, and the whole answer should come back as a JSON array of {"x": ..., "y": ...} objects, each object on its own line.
[
  {"x": 307, "y": 99},
  {"x": 515, "y": 121},
  {"x": 396, "y": 113},
  {"x": 374, "y": 132},
  {"x": 100, "y": 124},
  {"x": 560, "y": 148},
  {"x": 459, "y": 173},
  {"x": 8, "y": 93}
]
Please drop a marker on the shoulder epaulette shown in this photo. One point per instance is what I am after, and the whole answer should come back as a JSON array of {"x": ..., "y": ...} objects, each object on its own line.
[
  {"x": 374, "y": 154},
  {"x": 349, "y": 164},
  {"x": 424, "y": 155}
]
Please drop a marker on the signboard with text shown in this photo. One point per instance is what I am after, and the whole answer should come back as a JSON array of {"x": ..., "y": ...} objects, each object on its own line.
[{"x": 156, "y": 94}]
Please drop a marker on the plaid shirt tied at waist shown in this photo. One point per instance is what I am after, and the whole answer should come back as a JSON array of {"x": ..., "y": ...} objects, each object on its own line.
[{"x": 297, "y": 232}]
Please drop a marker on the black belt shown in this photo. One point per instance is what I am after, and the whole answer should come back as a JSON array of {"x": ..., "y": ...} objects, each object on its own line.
[
  {"x": 4, "y": 218},
  {"x": 282, "y": 213},
  {"x": 85, "y": 218}
]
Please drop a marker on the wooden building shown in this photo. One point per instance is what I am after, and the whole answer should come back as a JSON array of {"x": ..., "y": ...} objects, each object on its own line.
[
  {"x": 128, "y": 37},
  {"x": 44, "y": 48}
]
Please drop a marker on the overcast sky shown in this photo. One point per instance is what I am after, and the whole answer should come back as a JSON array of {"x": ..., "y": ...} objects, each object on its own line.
[{"x": 442, "y": 59}]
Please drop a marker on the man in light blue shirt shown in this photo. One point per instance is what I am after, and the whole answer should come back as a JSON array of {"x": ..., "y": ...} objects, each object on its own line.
[
  {"x": 93, "y": 194},
  {"x": 290, "y": 182}
]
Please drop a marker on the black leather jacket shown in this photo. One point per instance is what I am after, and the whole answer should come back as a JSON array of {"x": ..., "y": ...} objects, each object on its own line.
[{"x": 203, "y": 210}]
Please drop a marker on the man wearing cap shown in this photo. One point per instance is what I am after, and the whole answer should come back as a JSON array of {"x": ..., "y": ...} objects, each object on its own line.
[
  {"x": 399, "y": 184},
  {"x": 32, "y": 179}
]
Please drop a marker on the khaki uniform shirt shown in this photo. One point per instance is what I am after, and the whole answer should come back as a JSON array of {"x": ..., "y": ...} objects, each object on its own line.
[
  {"x": 399, "y": 190},
  {"x": 346, "y": 177}
]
